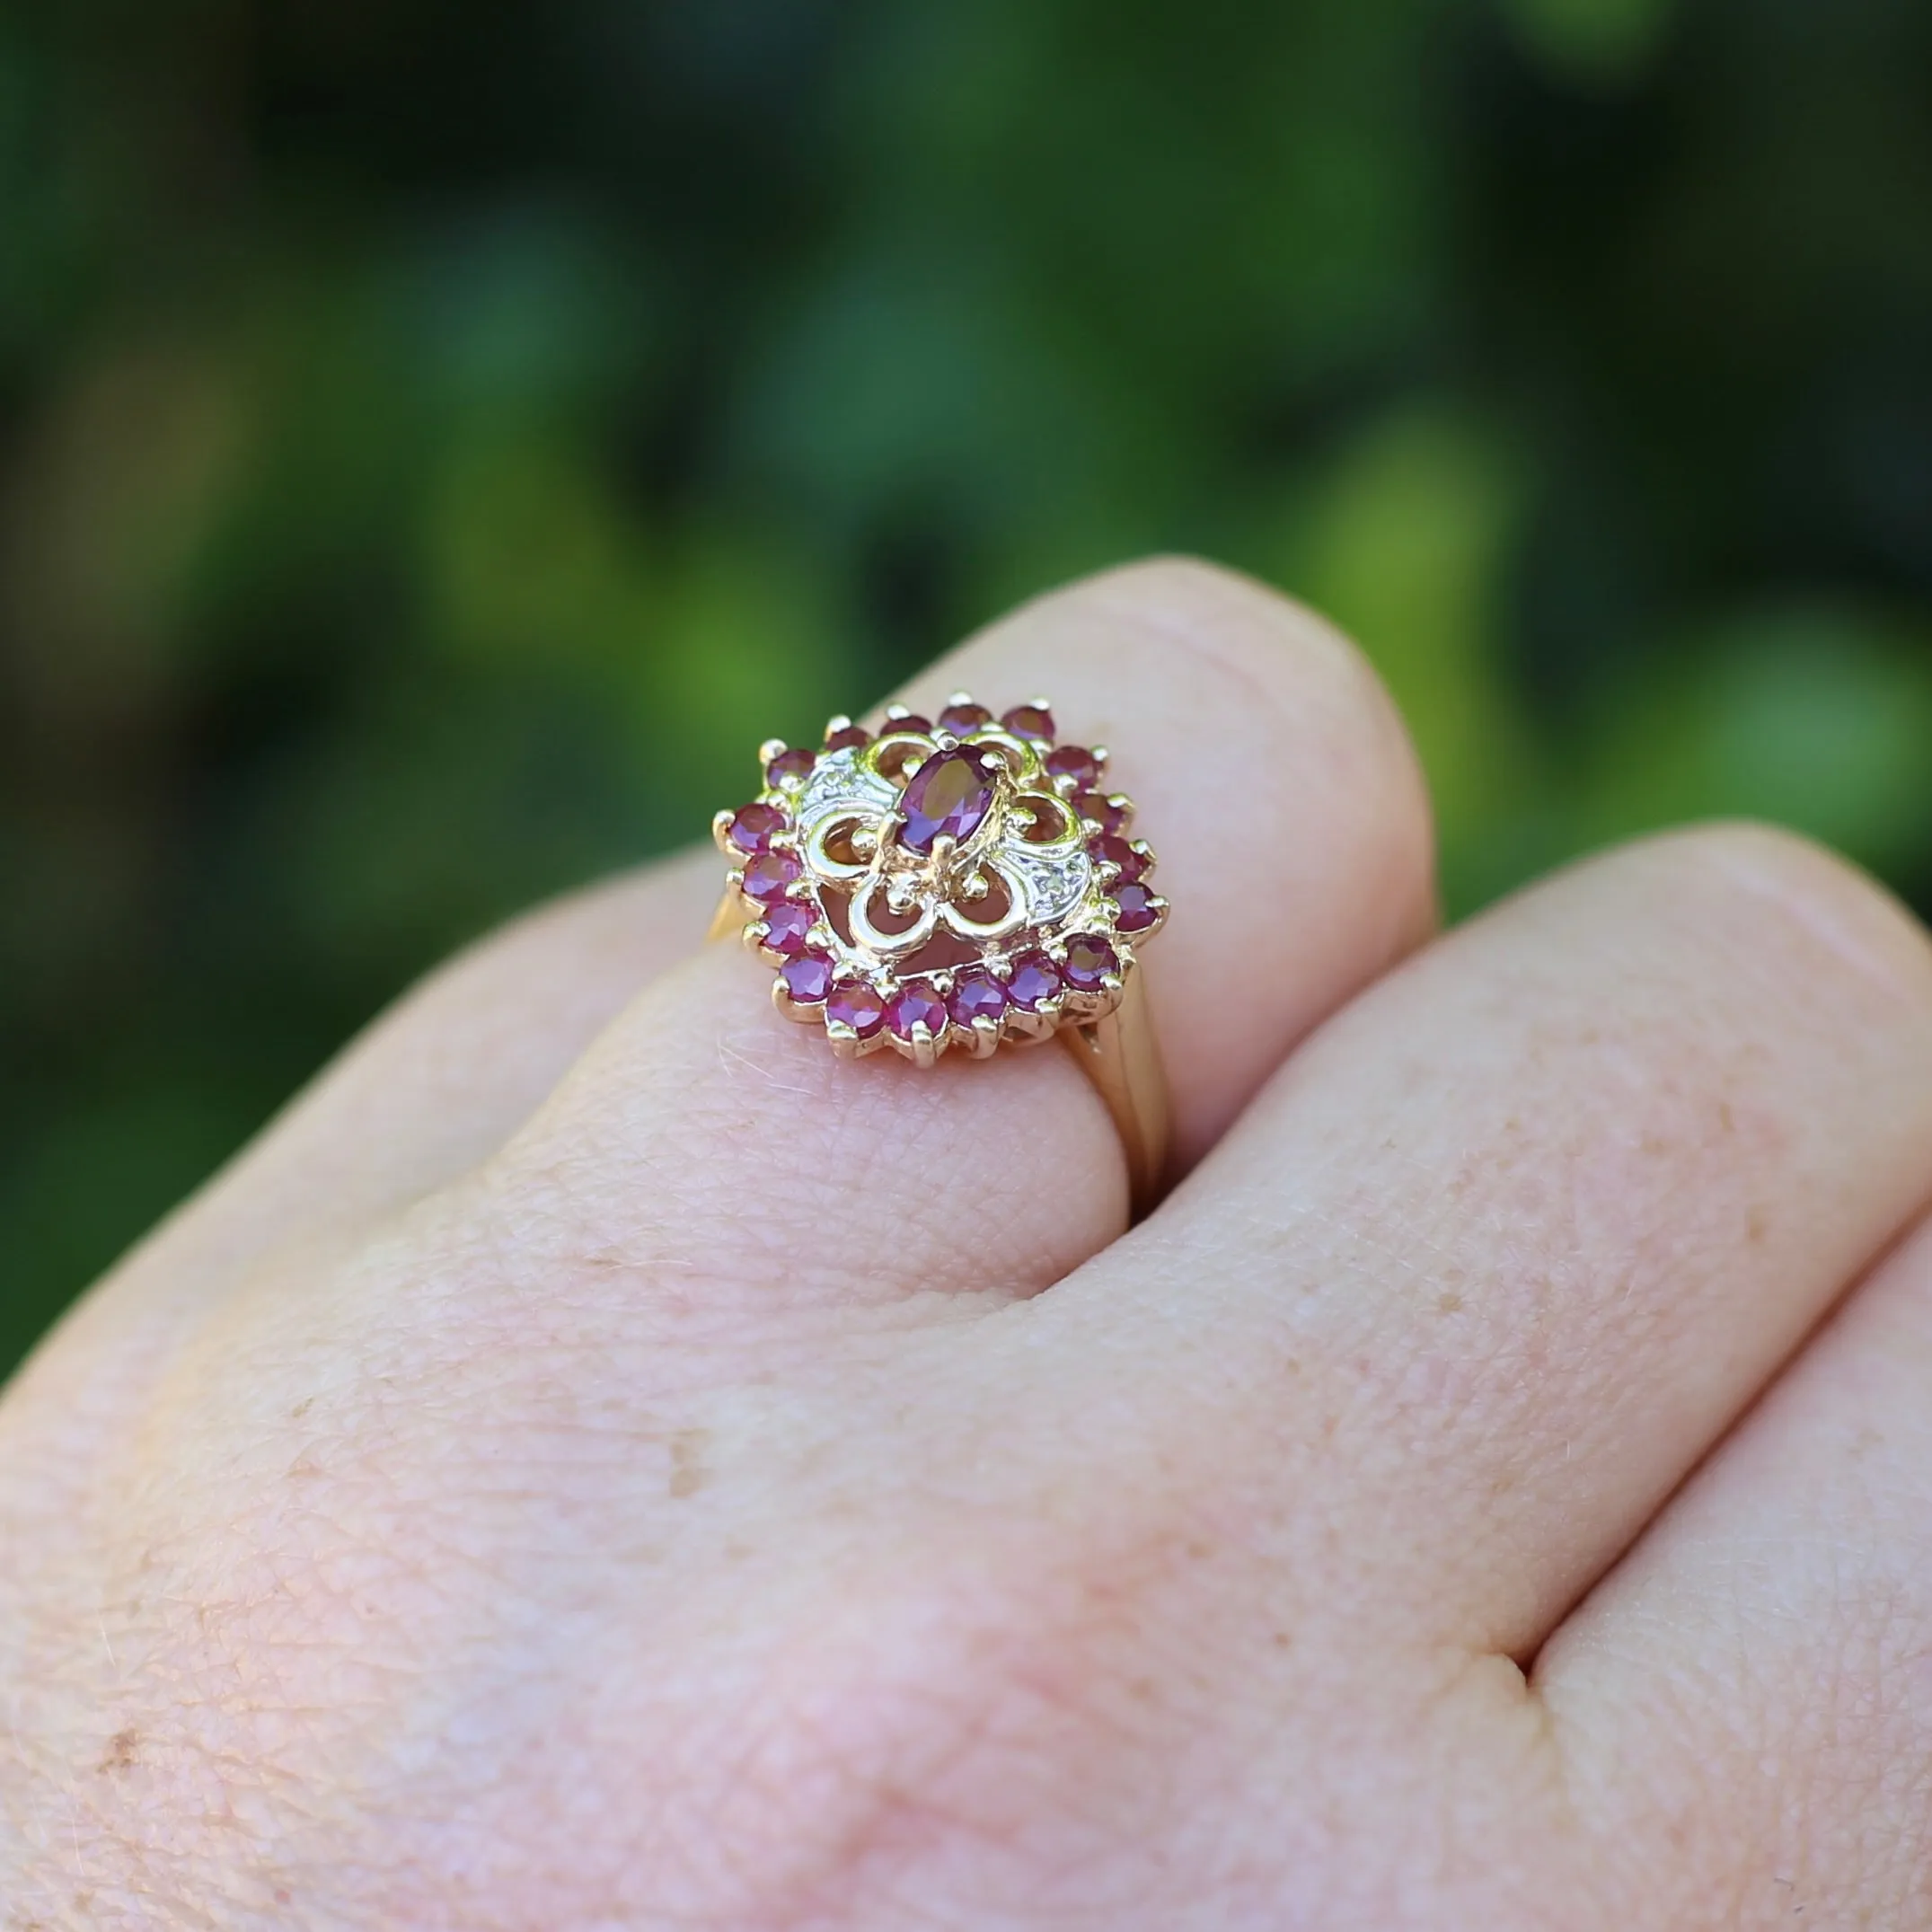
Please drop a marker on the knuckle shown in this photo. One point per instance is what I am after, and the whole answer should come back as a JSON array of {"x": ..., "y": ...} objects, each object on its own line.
[
  {"x": 1764, "y": 885},
  {"x": 1273, "y": 636},
  {"x": 1272, "y": 654}
]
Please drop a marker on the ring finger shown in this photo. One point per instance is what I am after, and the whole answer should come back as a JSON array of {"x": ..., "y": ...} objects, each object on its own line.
[{"x": 1279, "y": 789}]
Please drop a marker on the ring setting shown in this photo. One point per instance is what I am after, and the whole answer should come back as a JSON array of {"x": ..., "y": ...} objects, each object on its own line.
[{"x": 960, "y": 884}]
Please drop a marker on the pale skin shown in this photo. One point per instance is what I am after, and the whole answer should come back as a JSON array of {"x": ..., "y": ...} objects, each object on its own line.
[{"x": 599, "y": 1462}]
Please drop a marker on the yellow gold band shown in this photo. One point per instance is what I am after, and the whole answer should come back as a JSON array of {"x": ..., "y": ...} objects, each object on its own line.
[{"x": 1119, "y": 1054}]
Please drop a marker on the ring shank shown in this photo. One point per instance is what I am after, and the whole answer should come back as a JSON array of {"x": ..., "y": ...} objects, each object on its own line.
[{"x": 1119, "y": 1054}]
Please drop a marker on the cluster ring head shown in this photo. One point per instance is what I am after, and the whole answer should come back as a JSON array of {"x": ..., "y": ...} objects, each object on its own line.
[{"x": 952, "y": 884}]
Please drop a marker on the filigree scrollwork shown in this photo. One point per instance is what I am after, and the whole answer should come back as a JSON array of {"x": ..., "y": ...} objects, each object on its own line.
[{"x": 948, "y": 884}]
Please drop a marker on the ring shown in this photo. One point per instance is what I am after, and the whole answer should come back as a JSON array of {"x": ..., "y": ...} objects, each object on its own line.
[{"x": 965, "y": 884}]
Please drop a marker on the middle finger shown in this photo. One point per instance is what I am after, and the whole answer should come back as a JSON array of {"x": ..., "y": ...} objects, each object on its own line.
[{"x": 1496, "y": 1259}]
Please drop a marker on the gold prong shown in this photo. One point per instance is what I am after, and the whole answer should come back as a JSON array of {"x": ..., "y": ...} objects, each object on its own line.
[
  {"x": 721, "y": 832},
  {"x": 769, "y": 750},
  {"x": 808, "y": 1013},
  {"x": 1028, "y": 1023}
]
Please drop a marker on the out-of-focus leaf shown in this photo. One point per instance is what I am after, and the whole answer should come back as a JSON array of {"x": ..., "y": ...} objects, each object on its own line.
[
  {"x": 1404, "y": 543},
  {"x": 1819, "y": 718},
  {"x": 1593, "y": 40},
  {"x": 749, "y": 645}
]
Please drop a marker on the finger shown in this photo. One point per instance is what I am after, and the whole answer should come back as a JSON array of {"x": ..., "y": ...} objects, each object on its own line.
[
  {"x": 1508, "y": 1246},
  {"x": 1763, "y": 1651},
  {"x": 703, "y": 1134},
  {"x": 432, "y": 1086},
  {"x": 446, "y": 1074}
]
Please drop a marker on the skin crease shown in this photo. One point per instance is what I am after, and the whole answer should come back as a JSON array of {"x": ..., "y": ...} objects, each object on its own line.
[{"x": 598, "y": 1462}]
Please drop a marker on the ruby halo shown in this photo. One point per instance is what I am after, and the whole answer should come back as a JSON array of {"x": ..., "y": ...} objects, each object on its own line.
[{"x": 927, "y": 886}]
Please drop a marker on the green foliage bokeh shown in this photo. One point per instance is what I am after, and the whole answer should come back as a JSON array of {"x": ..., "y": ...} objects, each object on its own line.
[{"x": 438, "y": 442}]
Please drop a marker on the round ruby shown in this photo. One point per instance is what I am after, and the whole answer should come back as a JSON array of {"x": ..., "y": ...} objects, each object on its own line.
[
  {"x": 1030, "y": 721},
  {"x": 767, "y": 875},
  {"x": 1112, "y": 819},
  {"x": 787, "y": 925},
  {"x": 1074, "y": 762},
  {"x": 914, "y": 1005},
  {"x": 949, "y": 795},
  {"x": 961, "y": 719},
  {"x": 1116, "y": 852},
  {"x": 976, "y": 994},
  {"x": 912, "y": 722},
  {"x": 755, "y": 826},
  {"x": 790, "y": 767},
  {"x": 1134, "y": 908},
  {"x": 1090, "y": 959},
  {"x": 854, "y": 1005},
  {"x": 1034, "y": 980},
  {"x": 847, "y": 737},
  {"x": 807, "y": 978}
]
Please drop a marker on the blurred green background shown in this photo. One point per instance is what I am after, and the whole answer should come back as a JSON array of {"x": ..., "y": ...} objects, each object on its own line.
[{"x": 438, "y": 442}]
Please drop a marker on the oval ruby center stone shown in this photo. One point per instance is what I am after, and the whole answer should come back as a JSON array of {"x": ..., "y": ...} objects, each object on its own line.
[{"x": 950, "y": 793}]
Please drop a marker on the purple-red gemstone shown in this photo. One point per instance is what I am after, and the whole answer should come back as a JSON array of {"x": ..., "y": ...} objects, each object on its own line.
[
  {"x": 1074, "y": 762},
  {"x": 807, "y": 978},
  {"x": 912, "y": 722},
  {"x": 1090, "y": 959},
  {"x": 847, "y": 737},
  {"x": 1114, "y": 850},
  {"x": 786, "y": 926},
  {"x": 961, "y": 719},
  {"x": 976, "y": 994},
  {"x": 755, "y": 826},
  {"x": 854, "y": 1005},
  {"x": 1030, "y": 721},
  {"x": 767, "y": 875},
  {"x": 791, "y": 765},
  {"x": 915, "y": 1005},
  {"x": 1134, "y": 908},
  {"x": 1112, "y": 819},
  {"x": 951, "y": 794},
  {"x": 1034, "y": 980}
]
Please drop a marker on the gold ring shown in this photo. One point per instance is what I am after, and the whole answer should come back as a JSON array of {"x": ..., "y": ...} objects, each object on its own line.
[{"x": 965, "y": 884}]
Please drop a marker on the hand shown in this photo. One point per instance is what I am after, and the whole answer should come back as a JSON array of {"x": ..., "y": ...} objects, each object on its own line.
[{"x": 599, "y": 1462}]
